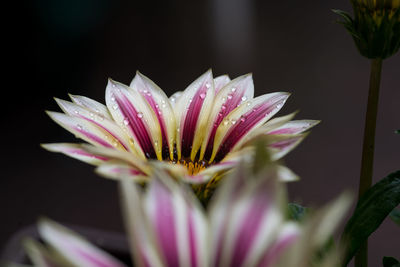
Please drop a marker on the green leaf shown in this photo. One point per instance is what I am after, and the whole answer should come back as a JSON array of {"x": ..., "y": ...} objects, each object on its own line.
[
  {"x": 395, "y": 216},
  {"x": 390, "y": 262},
  {"x": 297, "y": 212},
  {"x": 373, "y": 207}
]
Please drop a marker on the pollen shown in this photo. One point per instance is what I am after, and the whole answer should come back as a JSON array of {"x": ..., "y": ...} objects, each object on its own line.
[{"x": 193, "y": 167}]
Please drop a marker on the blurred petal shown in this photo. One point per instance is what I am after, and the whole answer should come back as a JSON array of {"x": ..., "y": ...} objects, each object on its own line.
[
  {"x": 243, "y": 120},
  {"x": 288, "y": 234},
  {"x": 178, "y": 223},
  {"x": 39, "y": 256},
  {"x": 75, "y": 151},
  {"x": 228, "y": 98},
  {"x": 133, "y": 114},
  {"x": 74, "y": 248},
  {"x": 161, "y": 106},
  {"x": 192, "y": 111},
  {"x": 144, "y": 248}
]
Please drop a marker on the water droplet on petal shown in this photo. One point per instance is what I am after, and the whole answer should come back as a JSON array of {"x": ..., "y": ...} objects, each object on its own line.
[
  {"x": 223, "y": 99},
  {"x": 233, "y": 89},
  {"x": 164, "y": 105},
  {"x": 229, "y": 96},
  {"x": 248, "y": 103},
  {"x": 115, "y": 107},
  {"x": 242, "y": 119},
  {"x": 112, "y": 98},
  {"x": 223, "y": 107},
  {"x": 140, "y": 115},
  {"x": 226, "y": 122},
  {"x": 91, "y": 114},
  {"x": 126, "y": 121},
  {"x": 244, "y": 98},
  {"x": 208, "y": 85},
  {"x": 79, "y": 127},
  {"x": 233, "y": 122},
  {"x": 202, "y": 95},
  {"x": 76, "y": 112}
]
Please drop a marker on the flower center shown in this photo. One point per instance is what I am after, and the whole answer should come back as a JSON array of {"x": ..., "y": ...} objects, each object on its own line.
[{"x": 193, "y": 167}]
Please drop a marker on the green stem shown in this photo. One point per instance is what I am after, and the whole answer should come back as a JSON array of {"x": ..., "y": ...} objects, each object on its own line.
[{"x": 361, "y": 259}]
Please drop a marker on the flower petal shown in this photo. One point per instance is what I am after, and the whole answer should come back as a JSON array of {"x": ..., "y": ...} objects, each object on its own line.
[
  {"x": 82, "y": 129},
  {"x": 285, "y": 144},
  {"x": 294, "y": 127},
  {"x": 39, "y": 255},
  {"x": 74, "y": 248},
  {"x": 243, "y": 120},
  {"x": 220, "y": 82},
  {"x": 144, "y": 249},
  {"x": 110, "y": 130},
  {"x": 161, "y": 106},
  {"x": 174, "y": 98},
  {"x": 133, "y": 114},
  {"x": 228, "y": 99},
  {"x": 117, "y": 170},
  {"x": 288, "y": 234},
  {"x": 192, "y": 111},
  {"x": 94, "y": 106},
  {"x": 75, "y": 151},
  {"x": 178, "y": 222}
]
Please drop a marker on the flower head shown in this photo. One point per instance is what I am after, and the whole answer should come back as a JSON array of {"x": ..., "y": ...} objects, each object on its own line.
[
  {"x": 375, "y": 27},
  {"x": 245, "y": 225},
  {"x": 196, "y": 134}
]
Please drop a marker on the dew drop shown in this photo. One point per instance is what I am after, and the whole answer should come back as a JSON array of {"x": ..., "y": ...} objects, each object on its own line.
[
  {"x": 140, "y": 115},
  {"x": 145, "y": 91},
  {"x": 112, "y": 98},
  {"x": 223, "y": 99},
  {"x": 202, "y": 95},
  {"x": 190, "y": 100},
  {"x": 223, "y": 107},
  {"x": 115, "y": 107},
  {"x": 233, "y": 122},
  {"x": 91, "y": 114},
  {"x": 164, "y": 105},
  {"x": 226, "y": 122},
  {"x": 248, "y": 104},
  {"x": 208, "y": 85},
  {"x": 244, "y": 98},
  {"x": 79, "y": 127},
  {"x": 233, "y": 89},
  {"x": 126, "y": 121},
  {"x": 113, "y": 85},
  {"x": 242, "y": 119},
  {"x": 147, "y": 154},
  {"x": 76, "y": 112},
  {"x": 131, "y": 141},
  {"x": 173, "y": 99},
  {"x": 229, "y": 96}
]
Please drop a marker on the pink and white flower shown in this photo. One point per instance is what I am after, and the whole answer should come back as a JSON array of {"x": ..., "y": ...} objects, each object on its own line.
[
  {"x": 197, "y": 133},
  {"x": 245, "y": 225}
]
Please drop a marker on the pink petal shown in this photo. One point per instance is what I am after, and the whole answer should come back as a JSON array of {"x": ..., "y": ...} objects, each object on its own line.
[
  {"x": 76, "y": 249},
  {"x": 244, "y": 120},
  {"x": 192, "y": 111},
  {"x": 131, "y": 111},
  {"x": 161, "y": 106},
  {"x": 81, "y": 128},
  {"x": 228, "y": 98},
  {"x": 76, "y": 151},
  {"x": 98, "y": 120},
  {"x": 287, "y": 236}
]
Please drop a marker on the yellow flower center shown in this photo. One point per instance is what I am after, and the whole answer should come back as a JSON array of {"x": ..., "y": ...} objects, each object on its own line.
[{"x": 193, "y": 167}]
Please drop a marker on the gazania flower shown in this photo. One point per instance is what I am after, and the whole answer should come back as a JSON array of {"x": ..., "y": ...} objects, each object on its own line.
[
  {"x": 244, "y": 226},
  {"x": 198, "y": 133}
]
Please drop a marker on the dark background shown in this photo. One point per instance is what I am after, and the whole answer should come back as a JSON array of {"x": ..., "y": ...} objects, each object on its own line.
[{"x": 73, "y": 46}]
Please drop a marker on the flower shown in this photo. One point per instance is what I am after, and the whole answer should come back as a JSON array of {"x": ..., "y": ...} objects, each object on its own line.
[
  {"x": 245, "y": 225},
  {"x": 375, "y": 27},
  {"x": 197, "y": 134}
]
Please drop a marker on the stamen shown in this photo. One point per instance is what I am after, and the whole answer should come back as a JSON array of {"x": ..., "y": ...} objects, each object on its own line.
[{"x": 193, "y": 167}]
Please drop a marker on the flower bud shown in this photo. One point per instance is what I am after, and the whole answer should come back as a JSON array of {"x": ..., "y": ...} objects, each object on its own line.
[{"x": 375, "y": 27}]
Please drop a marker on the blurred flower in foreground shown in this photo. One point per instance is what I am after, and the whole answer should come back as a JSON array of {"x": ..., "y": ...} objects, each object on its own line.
[
  {"x": 244, "y": 225},
  {"x": 196, "y": 134},
  {"x": 375, "y": 27}
]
